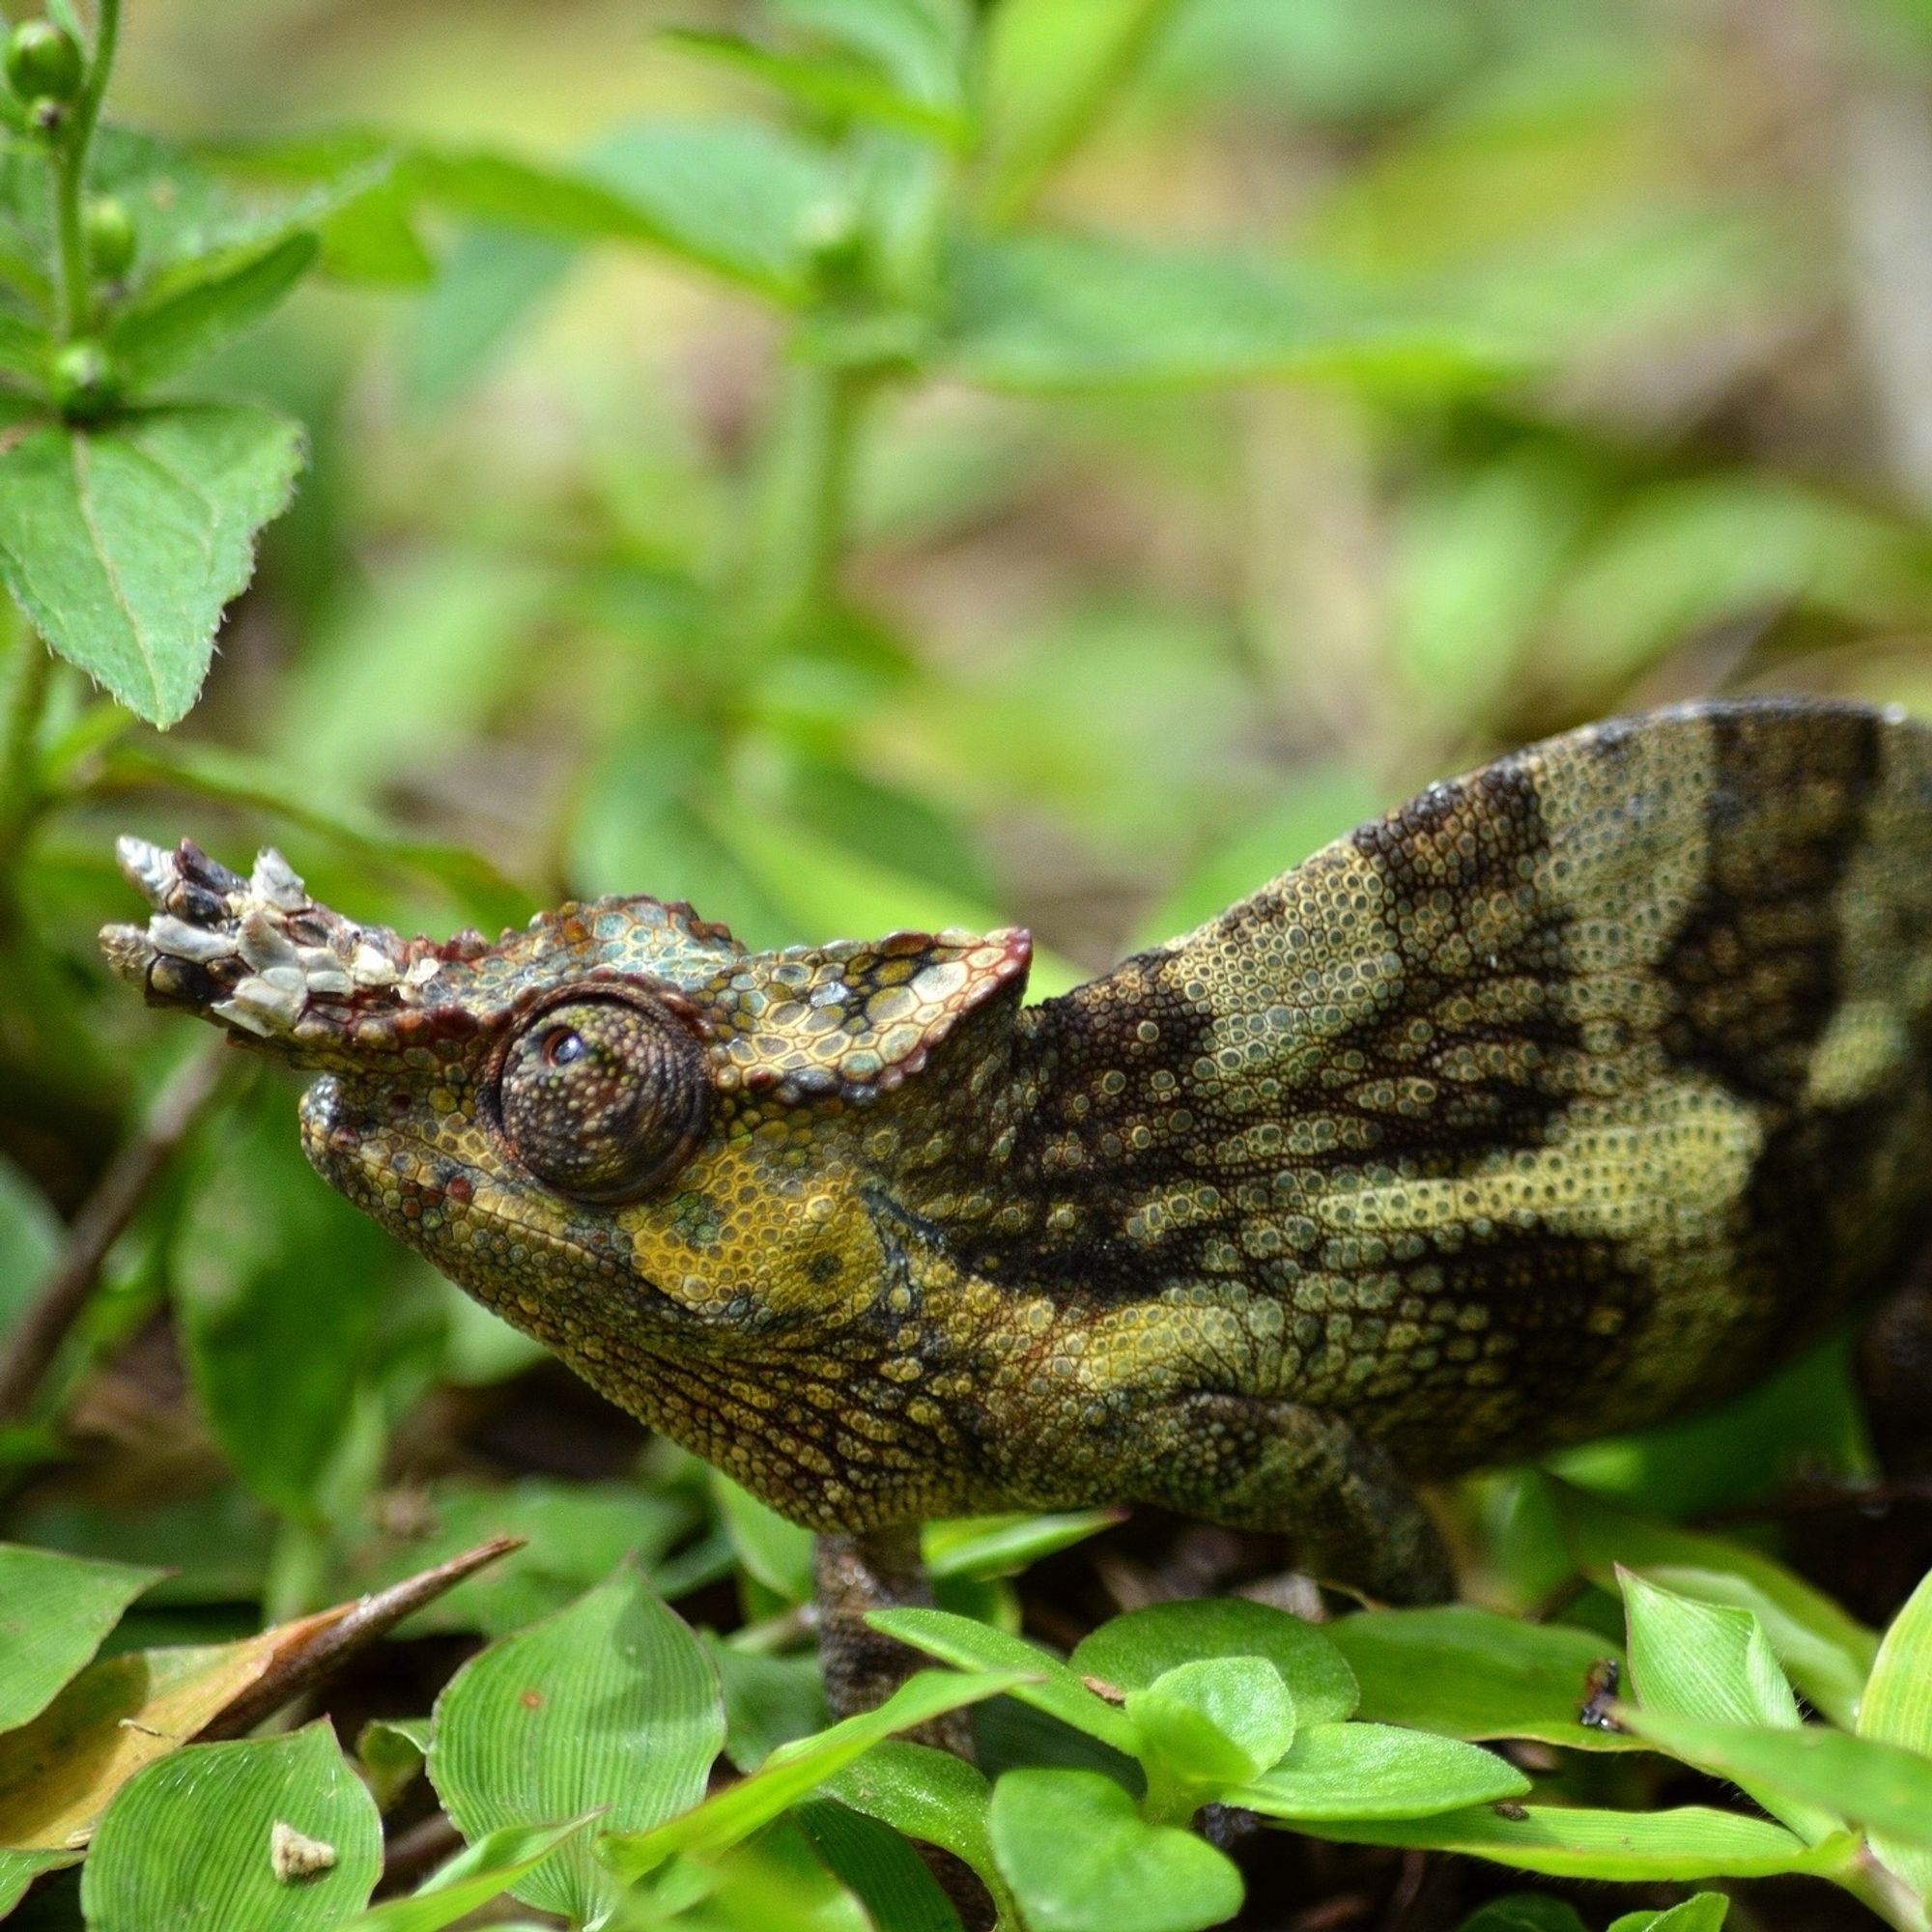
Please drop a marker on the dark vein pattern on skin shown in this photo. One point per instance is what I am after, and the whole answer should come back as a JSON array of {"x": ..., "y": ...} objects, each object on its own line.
[{"x": 1568, "y": 1096}]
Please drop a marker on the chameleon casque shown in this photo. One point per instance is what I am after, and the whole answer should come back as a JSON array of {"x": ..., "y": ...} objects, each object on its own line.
[{"x": 1569, "y": 1097}]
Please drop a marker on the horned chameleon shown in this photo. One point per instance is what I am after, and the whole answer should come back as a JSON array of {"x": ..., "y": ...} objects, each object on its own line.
[{"x": 1570, "y": 1096}]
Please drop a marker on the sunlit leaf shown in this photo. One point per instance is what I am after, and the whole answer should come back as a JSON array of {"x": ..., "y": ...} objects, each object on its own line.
[
  {"x": 1896, "y": 1709},
  {"x": 124, "y": 543},
  {"x": 54, "y": 1611},
  {"x": 1081, "y": 1859},
  {"x": 1003, "y": 1545},
  {"x": 1213, "y": 1720},
  {"x": 610, "y": 1705},
  {"x": 1471, "y": 1673},
  {"x": 1378, "y": 1771},
  {"x": 190, "y": 1840},
  {"x": 494, "y": 1864}
]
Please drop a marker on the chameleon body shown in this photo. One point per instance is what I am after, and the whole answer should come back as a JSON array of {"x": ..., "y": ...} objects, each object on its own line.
[{"x": 1570, "y": 1095}]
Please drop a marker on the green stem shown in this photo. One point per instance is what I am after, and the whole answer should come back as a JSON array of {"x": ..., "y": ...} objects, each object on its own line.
[
  {"x": 1019, "y": 177},
  {"x": 805, "y": 496},
  {"x": 69, "y": 163},
  {"x": 21, "y": 793}
]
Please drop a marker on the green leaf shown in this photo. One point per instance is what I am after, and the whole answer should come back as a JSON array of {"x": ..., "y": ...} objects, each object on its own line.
[
  {"x": 1473, "y": 1673},
  {"x": 1524, "y": 1911},
  {"x": 981, "y": 1547},
  {"x": 1710, "y": 1662},
  {"x": 1827, "y": 1654},
  {"x": 1132, "y": 1651},
  {"x": 574, "y": 1535},
  {"x": 768, "y": 1701},
  {"x": 775, "y": 1551},
  {"x": 1826, "y": 1770},
  {"x": 478, "y": 1873},
  {"x": 611, "y": 1704},
  {"x": 886, "y": 1875},
  {"x": 1705, "y": 1912},
  {"x": 1896, "y": 1709},
  {"x": 729, "y": 1816},
  {"x": 30, "y": 1237},
  {"x": 1059, "y": 1691},
  {"x": 186, "y": 1842},
  {"x": 1066, "y": 313},
  {"x": 932, "y": 1795},
  {"x": 919, "y": 44},
  {"x": 391, "y": 1754},
  {"x": 1688, "y": 1843},
  {"x": 183, "y": 314},
  {"x": 1081, "y": 1859},
  {"x": 122, "y": 544},
  {"x": 1378, "y": 1771},
  {"x": 19, "y": 1870},
  {"x": 1216, "y": 1721},
  {"x": 54, "y": 1611}
]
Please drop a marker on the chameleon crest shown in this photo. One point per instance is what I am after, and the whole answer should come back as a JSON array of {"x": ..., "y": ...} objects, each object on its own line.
[{"x": 1572, "y": 1094}]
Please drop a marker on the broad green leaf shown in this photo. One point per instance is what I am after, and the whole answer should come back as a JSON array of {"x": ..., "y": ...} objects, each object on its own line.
[
  {"x": 968, "y": 1645},
  {"x": 609, "y": 1705},
  {"x": 1081, "y": 1859},
  {"x": 769, "y": 1702},
  {"x": 1471, "y": 1673},
  {"x": 1896, "y": 1709},
  {"x": 1132, "y": 1651},
  {"x": 201, "y": 305},
  {"x": 1827, "y": 1654},
  {"x": 1215, "y": 1721},
  {"x": 1066, "y": 313},
  {"x": 1710, "y": 1662},
  {"x": 59, "y": 1772},
  {"x": 19, "y": 1870},
  {"x": 729, "y": 1816},
  {"x": 574, "y": 1535},
  {"x": 54, "y": 1611},
  {"x": 884, "y": 1872},
  {"x": 774, "y": 1551},
  {"x": 1828, "y": 1771},
  {"x": 1688, "y": 1843},
  {"x": 1378, "y": 1771},
  {"x": 122, "y": 543},
  {"x": 1704, "y": 1913},
  {"x": 187, "y": 1841},
  {"x": 478, "y": 1873},
  {"x": 931, "y": 1795},
  {"x": 980, "y": 1547},
  {"x": 1524, "y": 1911}
]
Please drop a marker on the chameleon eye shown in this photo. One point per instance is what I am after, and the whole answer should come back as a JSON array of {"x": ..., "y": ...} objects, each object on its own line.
[{"x": 602, "y": 1099}]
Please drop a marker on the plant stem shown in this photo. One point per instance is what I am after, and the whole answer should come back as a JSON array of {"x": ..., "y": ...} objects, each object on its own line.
[
  {"x": 1018, "y": 178},
  {"x": 19, "y": 752},
  {"x": 69, "y": 165},
  {"x": 805, "y": 495}
]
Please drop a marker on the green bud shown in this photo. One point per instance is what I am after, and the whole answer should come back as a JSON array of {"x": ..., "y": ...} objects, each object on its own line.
[
  {"x": 85, "y": 381},
  {"x": 108, "y": 231},
  {"x": 43, "y": 61}
]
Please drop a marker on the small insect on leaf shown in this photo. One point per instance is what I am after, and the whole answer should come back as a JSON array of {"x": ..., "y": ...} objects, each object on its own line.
[{"x": 293, "y": 1856}]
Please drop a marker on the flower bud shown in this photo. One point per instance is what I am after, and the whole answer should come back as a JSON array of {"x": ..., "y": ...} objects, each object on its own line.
[
  {"x": 43, "y": 61},
  {"x": 108, "y": 231},
  {"x": 86, "y": 384}
]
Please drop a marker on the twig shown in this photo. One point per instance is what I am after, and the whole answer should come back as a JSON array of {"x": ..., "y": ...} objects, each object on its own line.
[{"x": 103, "y": 1217}]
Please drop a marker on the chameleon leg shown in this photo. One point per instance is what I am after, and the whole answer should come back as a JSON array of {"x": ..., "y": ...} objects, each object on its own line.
[
  {"x": 877, "y": 1570},
  {"x": 1256, "y": 1463}
]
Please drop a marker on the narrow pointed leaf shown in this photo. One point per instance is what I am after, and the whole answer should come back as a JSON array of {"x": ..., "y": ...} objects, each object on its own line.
[
  {"x": 190, "y": 1841},
  {"x": 1378, "y": 1771},
  {"x": 730, "y": 1816},
  {"x": 54, "y": 1611},
  {"x": 1055, "y": 1688},
  {"x": 202, "y": 304},
  {"x": 476, "y": 1875},
  {"x": 1896, "y": 1709},
  {"x": 1705, "y": 1912},
  {"x": 1001, "y": 1545}
]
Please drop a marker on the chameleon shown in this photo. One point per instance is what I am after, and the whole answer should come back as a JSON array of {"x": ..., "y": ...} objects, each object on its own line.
[{"x": 1570, "y": 1097}]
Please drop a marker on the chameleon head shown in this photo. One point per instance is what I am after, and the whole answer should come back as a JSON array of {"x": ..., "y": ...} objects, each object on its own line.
[{"x": 629, "y": 1134}]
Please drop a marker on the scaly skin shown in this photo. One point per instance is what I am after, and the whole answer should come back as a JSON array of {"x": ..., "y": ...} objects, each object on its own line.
[{"x": 1569, "y": 1097}]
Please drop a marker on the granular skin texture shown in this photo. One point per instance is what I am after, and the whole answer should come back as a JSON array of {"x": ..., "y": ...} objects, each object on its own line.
[{"x": 1570, "y": 1097}]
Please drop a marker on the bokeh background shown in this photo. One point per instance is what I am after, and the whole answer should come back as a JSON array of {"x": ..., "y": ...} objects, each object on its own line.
[{"x": 1208, "y": 422}]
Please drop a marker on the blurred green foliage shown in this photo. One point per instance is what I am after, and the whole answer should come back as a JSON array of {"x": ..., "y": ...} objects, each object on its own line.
[{"x": 855, "y": 463}]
